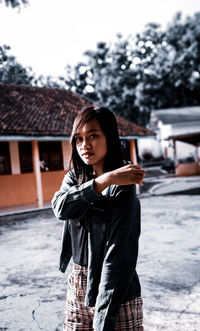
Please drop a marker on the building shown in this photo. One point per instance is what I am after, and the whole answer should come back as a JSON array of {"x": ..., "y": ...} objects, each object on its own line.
[
  {"x": 35, "y": 128},
  {"x": 178, "y": 137},
  {"x": 191, "y": 164}
]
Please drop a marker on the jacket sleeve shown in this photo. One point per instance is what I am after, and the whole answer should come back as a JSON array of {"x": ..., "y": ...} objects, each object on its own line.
[
  {"x": 72, "y": 201},
  {"x": 120, "y": 257}
]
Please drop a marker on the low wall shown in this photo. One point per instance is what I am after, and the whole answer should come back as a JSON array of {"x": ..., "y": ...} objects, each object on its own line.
[
  {"x": 17, "y": 189},
  {"x": 51, "y": 182},
  {"x": 20, "y": 189},
  {"x": 187, "y": 169}
]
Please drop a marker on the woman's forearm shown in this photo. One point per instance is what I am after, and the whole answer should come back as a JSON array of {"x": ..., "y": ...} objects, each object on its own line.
[
  {"x": 126, "y": 175},
  {"x": 102, "y": 182}
]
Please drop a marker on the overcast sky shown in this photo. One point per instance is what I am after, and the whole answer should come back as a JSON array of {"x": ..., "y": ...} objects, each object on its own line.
[{"x": 49, "y": 34}]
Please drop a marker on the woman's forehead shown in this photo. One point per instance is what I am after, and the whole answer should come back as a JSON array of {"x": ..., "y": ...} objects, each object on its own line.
[{"x": 91, "y": 126}]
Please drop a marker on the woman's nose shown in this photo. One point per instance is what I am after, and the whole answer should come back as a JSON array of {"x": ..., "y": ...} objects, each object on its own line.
[{"x": 85, "y": 144}]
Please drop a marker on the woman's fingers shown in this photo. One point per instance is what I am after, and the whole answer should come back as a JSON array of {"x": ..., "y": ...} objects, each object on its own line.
[
  {"x": 137, "y": 176},
  {"x": 134, "y": 166},
  {"x": 138, "y": 173},
  {"x": 129, "y": 174}
]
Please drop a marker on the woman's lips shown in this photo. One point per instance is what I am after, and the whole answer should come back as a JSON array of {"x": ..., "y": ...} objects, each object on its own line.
[{"x": 87, "y": 154}]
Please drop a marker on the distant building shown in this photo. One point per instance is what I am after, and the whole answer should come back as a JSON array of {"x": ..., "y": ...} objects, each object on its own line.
[
  {"x": 35, "y": 127},
  {"x": 178, "y": 135}
]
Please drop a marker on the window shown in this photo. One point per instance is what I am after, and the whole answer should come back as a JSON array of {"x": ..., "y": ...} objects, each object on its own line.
[
  {"x": 51, "y": 156},
  {"x": 5, "y": 167},
  {"x": 26, "y": 161}
]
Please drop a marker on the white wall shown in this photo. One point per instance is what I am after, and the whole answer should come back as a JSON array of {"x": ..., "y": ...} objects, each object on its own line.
[
  {"x": 157, "y": 148},
  {"x": 184, "y": 150},
  {"x": 151, "y": 145}
]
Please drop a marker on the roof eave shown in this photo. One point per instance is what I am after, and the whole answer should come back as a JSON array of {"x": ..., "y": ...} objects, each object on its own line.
[
  {"x": 32, "y": 138},
  {"x": 59, "y": 138},
  {"x": 138, "y": 136}
]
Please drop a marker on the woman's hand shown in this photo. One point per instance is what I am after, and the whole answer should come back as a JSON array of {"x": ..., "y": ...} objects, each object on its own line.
[
  {"x": 126, "y": 175},
  {"x": 129, "y": 174}
]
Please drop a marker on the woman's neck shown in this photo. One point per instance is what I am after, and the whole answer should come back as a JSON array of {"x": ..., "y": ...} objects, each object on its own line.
[{"x": 97, "y": 171}]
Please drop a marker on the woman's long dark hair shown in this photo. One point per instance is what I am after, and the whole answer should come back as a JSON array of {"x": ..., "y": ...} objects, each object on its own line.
[{"x": 115, "y": 157}]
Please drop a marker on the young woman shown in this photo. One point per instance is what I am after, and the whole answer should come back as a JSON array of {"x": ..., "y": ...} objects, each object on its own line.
[{"x": 97, "y": 201}]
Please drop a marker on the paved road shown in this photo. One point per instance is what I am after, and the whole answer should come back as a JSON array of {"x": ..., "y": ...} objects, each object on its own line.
[{"x": 32, "y": 290}]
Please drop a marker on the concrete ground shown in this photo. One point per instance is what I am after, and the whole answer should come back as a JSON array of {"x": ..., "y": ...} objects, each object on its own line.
[{"x": 32, "y": 290}]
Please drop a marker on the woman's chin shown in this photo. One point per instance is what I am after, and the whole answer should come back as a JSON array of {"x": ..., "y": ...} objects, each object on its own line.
[{"x": 87, "y": 161}]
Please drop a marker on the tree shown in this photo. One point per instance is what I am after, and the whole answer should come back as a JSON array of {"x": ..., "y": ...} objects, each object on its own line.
[
  {"x": 173, "y": 78},
  {"x": 110, "y": 77},
  {"x": 12, "y": 71},
  {"x": 155, "y": 69},
  {"x": 15, "y": 3}
]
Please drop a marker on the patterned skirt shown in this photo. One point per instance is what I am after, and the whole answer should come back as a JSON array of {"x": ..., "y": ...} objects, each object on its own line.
[{"x": 79, "y": 317}]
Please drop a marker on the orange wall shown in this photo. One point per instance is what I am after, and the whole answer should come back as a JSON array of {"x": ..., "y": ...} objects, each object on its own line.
[
  {"x": 17, "y": 189},
  {"x": 51, "y": 182},
  {"x": 186, "y": 169},
  {"x": 20, "y": 189}
]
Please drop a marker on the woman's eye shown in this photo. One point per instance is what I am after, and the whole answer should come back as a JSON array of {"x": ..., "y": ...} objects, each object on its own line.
[
  {"x": 78, "y": 139},
  {"x": 93, "y": 136}
]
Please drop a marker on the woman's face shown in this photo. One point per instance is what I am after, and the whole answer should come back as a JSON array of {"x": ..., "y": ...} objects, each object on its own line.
[{"x": 91, "y": 144}]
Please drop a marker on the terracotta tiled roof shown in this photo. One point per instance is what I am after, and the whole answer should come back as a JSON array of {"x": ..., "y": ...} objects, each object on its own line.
[
  {"x": 127, "y": 128},
  {"x": 34, "y": 111}
]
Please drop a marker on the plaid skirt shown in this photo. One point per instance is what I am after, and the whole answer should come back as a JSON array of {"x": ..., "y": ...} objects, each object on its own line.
[{"x": 79, "y": 317}]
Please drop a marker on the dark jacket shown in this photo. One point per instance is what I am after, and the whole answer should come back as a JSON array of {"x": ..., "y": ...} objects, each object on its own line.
[{"x": 113, "y": 223}]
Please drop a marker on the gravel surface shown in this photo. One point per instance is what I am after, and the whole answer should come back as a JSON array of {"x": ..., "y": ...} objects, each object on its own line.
[{"x": 32, "y": 290}]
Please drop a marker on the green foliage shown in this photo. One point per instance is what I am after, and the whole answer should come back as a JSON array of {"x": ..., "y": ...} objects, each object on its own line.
[
  {"x": 48, "y": 81},
  {"x": 173, "y": 79},
  {"x": 156, "y": 69},
  {"x": 15, "y": 3},
  {"x": 11, "y": 71},
  {"x": 3, "y": 53}
]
